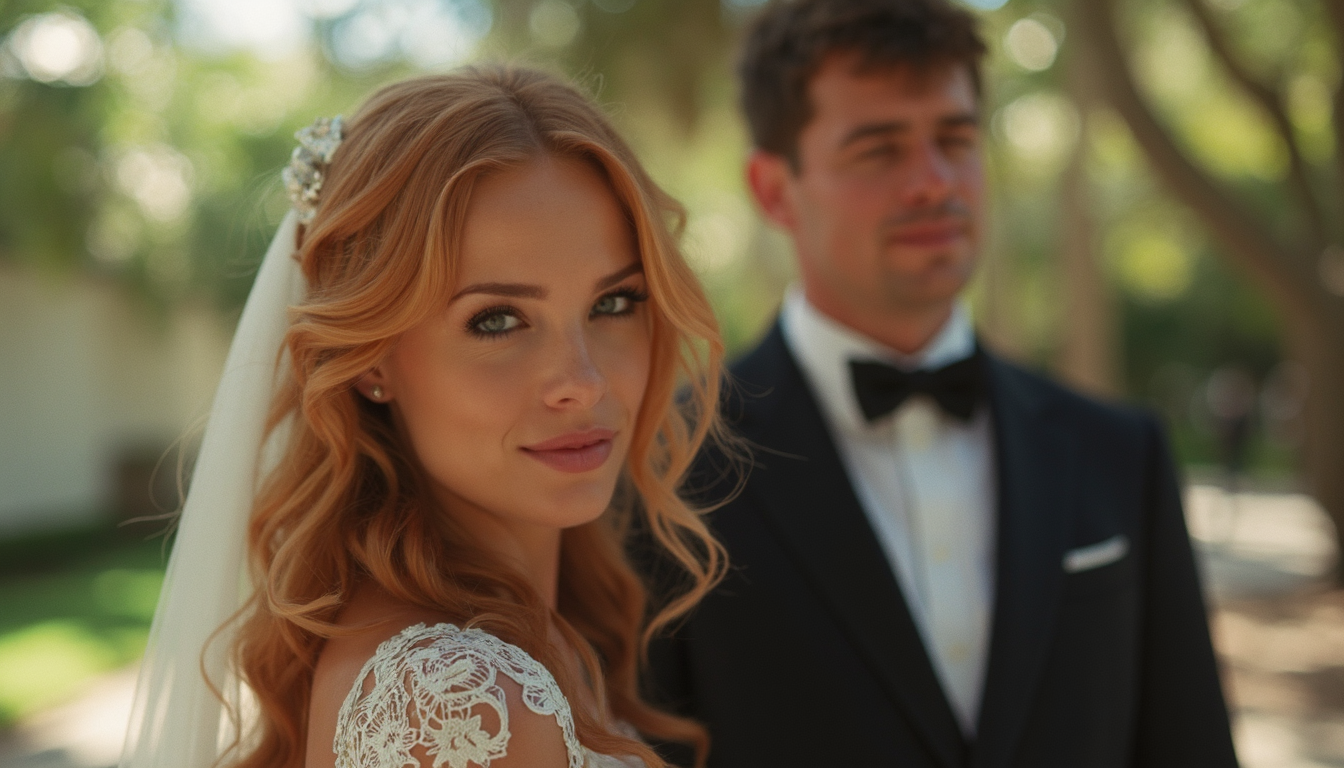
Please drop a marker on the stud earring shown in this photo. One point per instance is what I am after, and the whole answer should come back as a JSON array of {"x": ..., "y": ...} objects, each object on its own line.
[{"x": 376, "y": 393}]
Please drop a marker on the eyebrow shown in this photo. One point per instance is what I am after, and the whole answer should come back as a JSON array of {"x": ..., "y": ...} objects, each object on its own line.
[
  {"x": 958, "y": 120},
  {"x": 529, "y": 291},
  {"x": 619, "y": 275}
]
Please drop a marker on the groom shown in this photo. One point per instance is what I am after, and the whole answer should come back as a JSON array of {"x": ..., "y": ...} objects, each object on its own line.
[{"x": 939, "y": 558}]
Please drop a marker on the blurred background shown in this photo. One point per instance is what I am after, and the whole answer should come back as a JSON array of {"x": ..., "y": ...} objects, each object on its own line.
[{"x": 1168, "y": 180}]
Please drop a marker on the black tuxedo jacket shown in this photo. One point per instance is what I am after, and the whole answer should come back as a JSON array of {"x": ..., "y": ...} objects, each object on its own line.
[{"x": 807, "y": 655}]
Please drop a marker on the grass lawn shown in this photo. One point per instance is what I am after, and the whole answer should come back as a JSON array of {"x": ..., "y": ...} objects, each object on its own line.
[{"x": 72, "y": 606}]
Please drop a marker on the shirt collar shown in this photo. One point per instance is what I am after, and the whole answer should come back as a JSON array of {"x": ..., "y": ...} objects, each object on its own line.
[{"x": 823, "y": 348}]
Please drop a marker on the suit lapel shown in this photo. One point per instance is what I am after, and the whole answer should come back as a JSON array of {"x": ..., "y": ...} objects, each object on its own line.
[
  {"x": 1037, "y": 487},
  {"x": 809, "y": 501}
]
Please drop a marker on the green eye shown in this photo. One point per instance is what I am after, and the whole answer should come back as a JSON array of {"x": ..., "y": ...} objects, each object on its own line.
[
  {"x": 613, "y": 304},
  {"x": 498, "y": 323},
  {"x": 619, "y": 303}
]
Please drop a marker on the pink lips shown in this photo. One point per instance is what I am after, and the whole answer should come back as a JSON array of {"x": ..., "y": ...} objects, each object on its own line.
[{"x": 574, "y": 452}]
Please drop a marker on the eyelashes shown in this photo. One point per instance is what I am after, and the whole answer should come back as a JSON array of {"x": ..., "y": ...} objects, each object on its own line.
[
  {"x": 500, "y": 321},
  {"x": 494, "y": 321},
  {"x": 621, "y": 301}
]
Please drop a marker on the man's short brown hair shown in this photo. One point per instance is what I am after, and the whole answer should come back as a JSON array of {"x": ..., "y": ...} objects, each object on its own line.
[{"x": 791, "y": 39}]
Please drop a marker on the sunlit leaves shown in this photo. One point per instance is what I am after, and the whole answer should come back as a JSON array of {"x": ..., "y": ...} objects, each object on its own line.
[
  {"x": 1040, "y": 128},
  {"x": 1155, "y": 263},
  {"x": 58, "y": 47},
  {"x": 553, "y": 23},
  {"x": 1031, "y": 43}
]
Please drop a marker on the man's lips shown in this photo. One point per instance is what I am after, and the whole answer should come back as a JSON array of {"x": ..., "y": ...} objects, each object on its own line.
[
  {"x": 932, "y": 233},
  {"x": 575, "y": 451}
]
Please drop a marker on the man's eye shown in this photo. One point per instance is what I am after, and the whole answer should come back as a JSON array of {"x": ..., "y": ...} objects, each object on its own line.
[
  {"x": 496, "y": 323},
  {"x": 957, "y": 143},
  {"x": 879, "y": 152}
]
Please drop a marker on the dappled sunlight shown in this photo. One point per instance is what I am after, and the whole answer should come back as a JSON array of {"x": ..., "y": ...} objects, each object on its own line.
[
  {"x": 140, "y": 149},
  {"x": 1150, "y": 262},
  {"x": 1033, "y": 42},
  {"x": 58, "y": 47}
]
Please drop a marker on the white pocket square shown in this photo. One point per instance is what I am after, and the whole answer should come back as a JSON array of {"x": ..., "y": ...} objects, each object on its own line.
[{"x": 1096, "y": 555}]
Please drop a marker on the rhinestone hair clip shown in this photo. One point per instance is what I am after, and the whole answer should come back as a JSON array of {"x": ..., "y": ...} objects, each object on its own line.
[{"x": 307, "y": 167}]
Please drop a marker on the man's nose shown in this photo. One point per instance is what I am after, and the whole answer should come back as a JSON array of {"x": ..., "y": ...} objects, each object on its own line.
[{"x": 930, "y": 175}]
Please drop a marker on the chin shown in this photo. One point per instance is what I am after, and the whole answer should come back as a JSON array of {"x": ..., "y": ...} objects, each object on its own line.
[
  {"x": 577, "y": 505},
  {"x": 943, "y": 292},
  {"x": 940, "y": 282},
  {"x": 953, "y": 259}
]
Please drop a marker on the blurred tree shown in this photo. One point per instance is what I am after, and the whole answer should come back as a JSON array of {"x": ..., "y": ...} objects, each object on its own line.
[
  {"x": 1089, "y": 345},
  {"x": 125, "y": 153},
  {"x": 1284, "y": 230},
  {"x": 661, "y": 55},
  {"x": 49, "y": 136},
  {"x": 156, "y": 163}
]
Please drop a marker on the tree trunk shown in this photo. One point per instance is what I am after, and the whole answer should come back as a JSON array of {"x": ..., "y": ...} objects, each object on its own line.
[
  {"x": 1281, "y": 264},
  {"x": 1322, "y": 355},
  {"x": 1086, "y": 355}
]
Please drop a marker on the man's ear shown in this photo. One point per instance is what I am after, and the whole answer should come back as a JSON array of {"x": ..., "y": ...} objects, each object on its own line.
[
  {"x": 375, "y": 386},
  {"x": 770, "y": 180}
]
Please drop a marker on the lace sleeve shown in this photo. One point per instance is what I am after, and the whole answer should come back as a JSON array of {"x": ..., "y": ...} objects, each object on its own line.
[{"x": 436, "y": 689}]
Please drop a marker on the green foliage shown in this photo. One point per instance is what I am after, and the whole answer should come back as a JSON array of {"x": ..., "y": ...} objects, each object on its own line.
[
  {"x": 164, "y": 173},
  {"x": 83, "y": 169},
  {"x": 1182, "y": 311},
  {"x": 72, "y": 606}
]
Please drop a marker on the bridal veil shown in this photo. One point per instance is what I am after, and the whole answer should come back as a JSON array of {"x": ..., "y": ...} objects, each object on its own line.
[{"x": 178, "y": 721}]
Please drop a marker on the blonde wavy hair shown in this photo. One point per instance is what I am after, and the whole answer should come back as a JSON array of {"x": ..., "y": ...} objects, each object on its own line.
[{"x": 346, "y": 505}]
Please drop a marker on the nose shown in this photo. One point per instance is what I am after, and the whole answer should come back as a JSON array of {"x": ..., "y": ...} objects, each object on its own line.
[
  {"x": 931, "y": 176},
  {"x": 576, "y": 381}
]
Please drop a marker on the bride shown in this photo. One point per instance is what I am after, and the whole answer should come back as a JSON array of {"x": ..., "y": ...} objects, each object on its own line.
[{"x": 481, "y": 321}]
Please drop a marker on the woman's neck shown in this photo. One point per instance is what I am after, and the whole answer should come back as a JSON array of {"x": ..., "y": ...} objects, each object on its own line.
[{"x": 534, "y": 550}]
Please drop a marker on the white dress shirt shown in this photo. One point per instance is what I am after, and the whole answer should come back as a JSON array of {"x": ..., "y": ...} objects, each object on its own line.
[{"x": 926, "y": 482}]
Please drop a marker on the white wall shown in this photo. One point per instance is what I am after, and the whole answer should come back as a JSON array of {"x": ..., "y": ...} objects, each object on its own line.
[{"x": 85, "y": 374}]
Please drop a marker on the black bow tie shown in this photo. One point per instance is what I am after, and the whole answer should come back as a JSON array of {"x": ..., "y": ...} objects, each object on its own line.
[{"x": 881, "y": 388}]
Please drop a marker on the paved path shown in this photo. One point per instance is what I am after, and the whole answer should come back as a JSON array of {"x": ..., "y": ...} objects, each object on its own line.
[
  {"x": 1259, "y": 545},
  {"x": 1279, "y": 631},
  {"x": 1278, "y": 628},
  {"x": 84, "y": 733}
]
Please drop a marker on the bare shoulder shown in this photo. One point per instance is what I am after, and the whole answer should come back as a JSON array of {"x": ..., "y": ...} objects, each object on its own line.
[
  {"x": 534, "y": 739},
  {"x": 374, "y": 620},
  {"x": 414, "y": 689}
]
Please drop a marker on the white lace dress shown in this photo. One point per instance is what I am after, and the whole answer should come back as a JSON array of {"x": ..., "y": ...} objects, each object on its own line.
[{"x": 430, "y": 686}]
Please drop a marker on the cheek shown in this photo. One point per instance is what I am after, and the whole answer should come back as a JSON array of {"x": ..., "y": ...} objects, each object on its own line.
[
  {"x": 624, "y": 359},
  {"x": 971, "y": 180},
  {"x": 820, "y": 215},
  {"x": 458, "y": 413},
  {"x": 849, "y": 205}
]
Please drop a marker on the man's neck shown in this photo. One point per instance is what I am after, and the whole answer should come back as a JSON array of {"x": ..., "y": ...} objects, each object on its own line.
[{"x": 905, "y": 331}]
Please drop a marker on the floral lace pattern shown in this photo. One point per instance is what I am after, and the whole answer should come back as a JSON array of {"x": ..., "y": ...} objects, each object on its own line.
[{"x": 431, "y": 687}]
